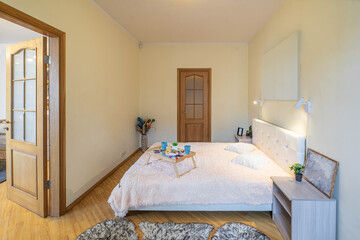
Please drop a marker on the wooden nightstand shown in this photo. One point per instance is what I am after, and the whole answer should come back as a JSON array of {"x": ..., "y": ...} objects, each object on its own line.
[
  {"x": 243, "y": 138},
  {"x": 300, "y": 211}
]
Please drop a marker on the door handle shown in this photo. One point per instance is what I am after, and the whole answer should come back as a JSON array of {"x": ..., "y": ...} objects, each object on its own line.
[{"x": 6, "y": 122}]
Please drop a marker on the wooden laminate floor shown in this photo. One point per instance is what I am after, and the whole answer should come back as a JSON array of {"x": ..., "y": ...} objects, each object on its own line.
[{"x": 19, "y": 223}]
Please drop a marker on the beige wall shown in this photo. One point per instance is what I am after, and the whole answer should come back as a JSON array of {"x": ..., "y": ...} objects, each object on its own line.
[
  {"x": 158, "y": 86},
  {"x": 102, "y": 90},
  {"x": 330, "y": 78}
]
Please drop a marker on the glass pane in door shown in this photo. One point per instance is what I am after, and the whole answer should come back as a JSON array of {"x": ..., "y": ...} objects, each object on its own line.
[
  {"x": 30, "y": 94},
  {"x": 30, "y": 63},
  {"x": 30, "y": 127},
  {"x": 189, "y": 96},
  {"x": 199, "y": 99},
  {"x": 199, "y": 111},
  {"x": 189, "y": 82},
  {"x": 189, "y": 112},
  {"x": 199, "y": 82},
  {"x": 18, "y": 125},
  {"x": 18, "y": 95},
  {"x": 18, "y": 65}
]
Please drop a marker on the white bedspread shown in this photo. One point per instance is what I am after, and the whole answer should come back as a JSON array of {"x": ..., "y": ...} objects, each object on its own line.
[{"x": 216, "y": 180}]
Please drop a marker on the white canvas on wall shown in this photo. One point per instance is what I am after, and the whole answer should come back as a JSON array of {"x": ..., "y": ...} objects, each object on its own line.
[
  {"x": 280, "y": 71},
  {"x": 321, "y": 172}
]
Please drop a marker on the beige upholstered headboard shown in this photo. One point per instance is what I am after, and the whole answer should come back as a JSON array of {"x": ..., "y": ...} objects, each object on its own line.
[{"x": 281, "y": 145}]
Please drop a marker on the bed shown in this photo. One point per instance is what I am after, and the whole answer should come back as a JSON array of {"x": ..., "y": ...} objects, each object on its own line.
[{"x": 217, "y": 184}]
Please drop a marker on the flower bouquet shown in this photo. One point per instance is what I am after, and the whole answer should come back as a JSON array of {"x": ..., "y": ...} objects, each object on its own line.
[{"x": 143, "y": 126}]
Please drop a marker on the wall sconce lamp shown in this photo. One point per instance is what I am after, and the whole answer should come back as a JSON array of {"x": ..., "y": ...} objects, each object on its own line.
[
  {"x": 307, "y": 105},
  {"x": 258, "y": 101}
]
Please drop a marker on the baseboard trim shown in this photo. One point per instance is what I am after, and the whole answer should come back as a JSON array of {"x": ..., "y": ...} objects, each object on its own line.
[{"x": 76, "y": 201}]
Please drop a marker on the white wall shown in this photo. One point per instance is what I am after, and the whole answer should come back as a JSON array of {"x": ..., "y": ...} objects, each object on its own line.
[
  {"x": 330, "y": 78},
  {"x": 102, "y": 89},
  {"x": 158, "y": 86},
  {"x": 2, "y": 81}
]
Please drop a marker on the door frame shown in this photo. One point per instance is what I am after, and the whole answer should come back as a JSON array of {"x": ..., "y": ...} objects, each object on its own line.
[
  {"x": 179, "y": 71},
  {"x": 57, "y": 128}
]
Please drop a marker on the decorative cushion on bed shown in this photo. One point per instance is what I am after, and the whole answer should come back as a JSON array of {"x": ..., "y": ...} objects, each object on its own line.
[
  {"x": 252, "y": 160},
  {"x": 240, "y": 147}
]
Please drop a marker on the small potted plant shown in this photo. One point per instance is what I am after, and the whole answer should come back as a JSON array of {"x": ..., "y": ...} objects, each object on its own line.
[
  {"x": 249, "y": 132},
  {"x": 175, "y": 146},
  {"x": 298, "y": 170}
]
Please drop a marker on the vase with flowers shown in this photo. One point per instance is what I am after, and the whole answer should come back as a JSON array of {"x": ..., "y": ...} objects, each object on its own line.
[{"x": 143, "y": 126}]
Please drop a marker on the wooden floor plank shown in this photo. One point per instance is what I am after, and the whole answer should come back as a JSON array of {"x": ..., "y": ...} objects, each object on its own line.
[{"x": 18, "y": 223}]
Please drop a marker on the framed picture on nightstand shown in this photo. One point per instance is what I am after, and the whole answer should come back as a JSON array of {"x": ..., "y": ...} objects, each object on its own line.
[{"x": 240, "y": 131}]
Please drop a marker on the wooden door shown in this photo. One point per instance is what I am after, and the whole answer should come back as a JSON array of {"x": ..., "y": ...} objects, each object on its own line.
[
  {"x": 194, "y": 105},
  {"x": 26, "y": 118}
]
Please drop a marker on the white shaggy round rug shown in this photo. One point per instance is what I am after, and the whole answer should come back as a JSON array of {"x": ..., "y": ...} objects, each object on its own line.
[
  {"x": 124, "y": 229},
  {"x": 238, "y": 231},
  {"x": 175, "y": 231},
  {"x": 115, "y": 229}
]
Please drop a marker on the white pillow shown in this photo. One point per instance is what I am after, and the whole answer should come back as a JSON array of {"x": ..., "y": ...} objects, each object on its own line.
[
  {"x": 240, "y": 147},
  {"x": 252, "y": 160}
]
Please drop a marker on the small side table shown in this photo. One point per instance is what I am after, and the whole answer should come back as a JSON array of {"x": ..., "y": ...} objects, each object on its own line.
[
  {"x": 243, "y": 138},
  {"x": 300, "y": 211}
]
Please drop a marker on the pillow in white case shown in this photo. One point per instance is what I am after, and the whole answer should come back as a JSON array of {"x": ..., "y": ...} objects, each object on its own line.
[
  {"x": 252, "y": 160},
  {"x": 240, "y": 147}
]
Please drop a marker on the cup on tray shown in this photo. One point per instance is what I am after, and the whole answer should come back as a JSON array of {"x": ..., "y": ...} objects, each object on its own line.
[
  {"x": 187, "y": 149},
  {"x": 163, "y": 146}
]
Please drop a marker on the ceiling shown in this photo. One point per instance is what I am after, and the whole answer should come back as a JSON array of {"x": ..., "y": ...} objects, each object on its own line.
[
  {"x": 13, "y": 33},
  {"x": 191, "y": 20}
]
